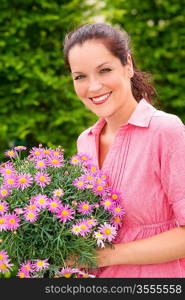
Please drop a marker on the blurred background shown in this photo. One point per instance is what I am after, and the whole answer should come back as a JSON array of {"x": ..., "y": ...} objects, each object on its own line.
[{"x": 38, "y": 103}]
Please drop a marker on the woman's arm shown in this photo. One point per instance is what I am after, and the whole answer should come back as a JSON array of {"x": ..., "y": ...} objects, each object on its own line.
[{"x": 160, "y": 248}]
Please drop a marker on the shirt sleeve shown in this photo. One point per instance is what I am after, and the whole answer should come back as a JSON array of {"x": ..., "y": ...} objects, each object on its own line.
[{"x": 173, "y": 166}]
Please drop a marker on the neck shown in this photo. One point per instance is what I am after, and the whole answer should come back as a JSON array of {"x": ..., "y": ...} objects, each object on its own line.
[{"x": 120, "y": 117}]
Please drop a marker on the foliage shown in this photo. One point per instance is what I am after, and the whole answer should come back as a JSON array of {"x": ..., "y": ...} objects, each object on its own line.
[
  {"x": 158, "y": 34},
  {"x": 38, "y": 103}
]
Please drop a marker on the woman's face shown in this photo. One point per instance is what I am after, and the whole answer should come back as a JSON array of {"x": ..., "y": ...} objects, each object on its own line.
[{"x": 100, "y": 80}]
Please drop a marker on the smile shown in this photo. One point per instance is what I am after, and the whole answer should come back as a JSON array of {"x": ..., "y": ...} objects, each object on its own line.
[{"x": 100, "y": 99}]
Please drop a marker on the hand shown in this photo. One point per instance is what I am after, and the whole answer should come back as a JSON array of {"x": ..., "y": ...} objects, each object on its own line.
[{"x": 105, "y": 257}]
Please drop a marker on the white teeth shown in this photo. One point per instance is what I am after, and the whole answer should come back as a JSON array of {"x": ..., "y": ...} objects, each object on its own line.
[{"x": 101, "y": 98}]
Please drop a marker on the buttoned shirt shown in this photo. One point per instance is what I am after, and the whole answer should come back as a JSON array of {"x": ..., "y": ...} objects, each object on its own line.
[{"x": 146, "y": 164}]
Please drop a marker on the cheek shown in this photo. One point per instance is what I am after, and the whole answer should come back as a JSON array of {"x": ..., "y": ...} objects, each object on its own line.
[{"x": 80, "y": 89}]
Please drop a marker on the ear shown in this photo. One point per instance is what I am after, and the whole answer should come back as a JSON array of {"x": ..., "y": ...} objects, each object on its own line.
[{"x": 130, "y": 66}]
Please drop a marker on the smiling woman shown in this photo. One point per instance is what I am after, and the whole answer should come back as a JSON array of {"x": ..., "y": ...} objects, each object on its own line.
[{"x": 139, "y": 147}]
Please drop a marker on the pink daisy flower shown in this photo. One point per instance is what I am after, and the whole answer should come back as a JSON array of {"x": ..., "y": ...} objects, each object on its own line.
[
  {"x": 118, "y": 210},
  {"x": 24, "y": 181},
  {"x": 85, "y": 228},
  {"x": 11, "y": 153},
  {"x": 31, "y": 216},
  {"x": 108, "y": 231},
  {"x": 58, "y": 193},
  {"x": 19, "y": 211},
  {"x": 99, "y": 189},
  {"x": 115, "y": 196},
  {"x": 79, "y": 183},
  {"x": 41, "y": 264},
  {"x": 55, "y": 162},
  {"x": 2, "y": 223},
  {"x": 12, "y": 221},
  {"x": 84, "y": 158},
  {"x": 42, "y": 179},
  {"x": 3, "y": 207},
  {"x": 57, "y": 153},
  {"x": 32, "y": 207},
  {"x": 4, "y": 192},
  {"x": 76, "y": 229},
  {"x": 7, "y": 170},
  {"x": 99, "y": 239},
  {"x": 47, "y": 152},
  {"x": 40, "y": 164},
  {"x": 85, "y": 208},
  {"x": 27, "y": 267},
  {"x": 19, "y": 148},
  {"x": 107, "y": 203},
  {"x": 3, "y": 256},
  {"x": 23, "y": 274},
  {"x": 5, "y": 266},
  {"x": 116, "y": 221},
  {"x": 75, "y": 160},
  {"x": 53, "y": 205},
  {"x": 65, "y": 213},
  {"x": 36, "y": 152},
  {"x": 91, "y": 222},
  {"x": 41, "y": 201},
  {"x": 68, "y": 272},
  {"x": 10, "y": 181}
]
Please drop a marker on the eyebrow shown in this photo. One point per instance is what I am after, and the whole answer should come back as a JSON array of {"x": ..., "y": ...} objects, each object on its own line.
[{"x": 107, "y": 62}]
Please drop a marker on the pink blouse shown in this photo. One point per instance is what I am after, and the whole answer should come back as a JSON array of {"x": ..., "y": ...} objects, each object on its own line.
[{"x": 146, "y": 163}]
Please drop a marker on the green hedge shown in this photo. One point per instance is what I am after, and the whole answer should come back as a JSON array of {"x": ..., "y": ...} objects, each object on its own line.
[{"x": 38, "y": 104}]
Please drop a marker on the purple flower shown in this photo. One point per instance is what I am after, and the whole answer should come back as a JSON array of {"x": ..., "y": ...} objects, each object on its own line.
[
  {"x": 41, "y": 164},
  {"x": 11, "y": 153},
  {"x": 42, "y": 179},
  {"x": 4, "y": 192},
  {"x": 65, "y": 213},
  {"x": 54, "y": 205},
  {"x": 3, "y": 207},
  {"x": 19, "y": 148},
  {"x": 12, "y": 221},
  {"x": 41, "y": 264},
  {"x": 24, "y": 181},
  {"x": 41, "y": 201},
  {"x": 10, "y": 181},
  {"x": 85, "y": 208}
]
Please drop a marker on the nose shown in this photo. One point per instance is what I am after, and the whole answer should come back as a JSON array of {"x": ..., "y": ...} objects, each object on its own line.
[{"x": 94, "y": 85}]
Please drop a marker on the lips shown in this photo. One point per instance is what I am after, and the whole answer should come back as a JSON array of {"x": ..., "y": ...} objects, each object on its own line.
[{"x": 100, "y": 99}]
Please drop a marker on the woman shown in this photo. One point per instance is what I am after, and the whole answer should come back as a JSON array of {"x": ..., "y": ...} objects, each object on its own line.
[{"x": 141, "y": 148}]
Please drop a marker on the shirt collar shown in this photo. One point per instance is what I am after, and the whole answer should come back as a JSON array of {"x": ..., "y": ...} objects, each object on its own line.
[{"x": 141, "y": 117}]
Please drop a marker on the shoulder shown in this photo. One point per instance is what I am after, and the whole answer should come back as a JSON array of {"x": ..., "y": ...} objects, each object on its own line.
[
  {"x": 167, "y": 122},
  {"x": 168, "y": 126}
]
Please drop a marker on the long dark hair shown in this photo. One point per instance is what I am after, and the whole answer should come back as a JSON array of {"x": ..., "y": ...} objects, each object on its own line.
[{"x": 118, "y": 43}]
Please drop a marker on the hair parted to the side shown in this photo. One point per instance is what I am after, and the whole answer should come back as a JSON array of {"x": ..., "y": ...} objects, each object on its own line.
[{"x": 118, "y": 43}]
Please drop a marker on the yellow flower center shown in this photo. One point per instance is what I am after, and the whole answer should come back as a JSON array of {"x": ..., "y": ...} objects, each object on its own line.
[
  {"x": 114, "y": 196},
  {"x": 37, "y": 152},
  {"x": 56, "y": 153},
  {"x": 117, "y": 219},
  {"x": 107, "y": 231},
  {"x": 53, "y": 204},
  {"x": 40, "y": 263},
  {"x": 22, "y": 180},
  {"x": 10, "y": 153},
  {"x": 1, "y": 207},
  {"x": 2, "y": 221},
  {"x": 77, "y": 229},
  {"x": 3, "y": 267},
  {"x": 67, "y": 275},
  {"x": 89, "y": 177},
  {"x": 85, "y": 206},
  {"x": 99, "y": 187},
  {"x": 4, "y": 192},
  {"x": 75, "y": 160},
  {"x": 54, "y": 161},
  {"x": 83, "y": 226},
  {"x": 84, "y": 158},
  {"x": 22, "y": 275},
  {"x": 117, "y": 209},
  {"x": 1, "y": 256},
  {"x": 31, "y": 206},
  {"x": 93, "y": 169},
  {"x": 41, "y": 200},
  {"x": 47, "y": 152},
  {"x": 41, "y": 163},
  {"x": 64, "y": 213},
  {"x": 12, "y": 221},
  {"x": 31, "y": 215},
  {"x": 10, "y": 181},
  {"x": 107, "y": 203},
  {"x": 42, "y": 178},
  {"x": 8, "y": 171},
  {"x": 80, "y": 183}
]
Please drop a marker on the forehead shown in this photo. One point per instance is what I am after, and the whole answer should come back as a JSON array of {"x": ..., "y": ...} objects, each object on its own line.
[{"x": 90, "y": 53}]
